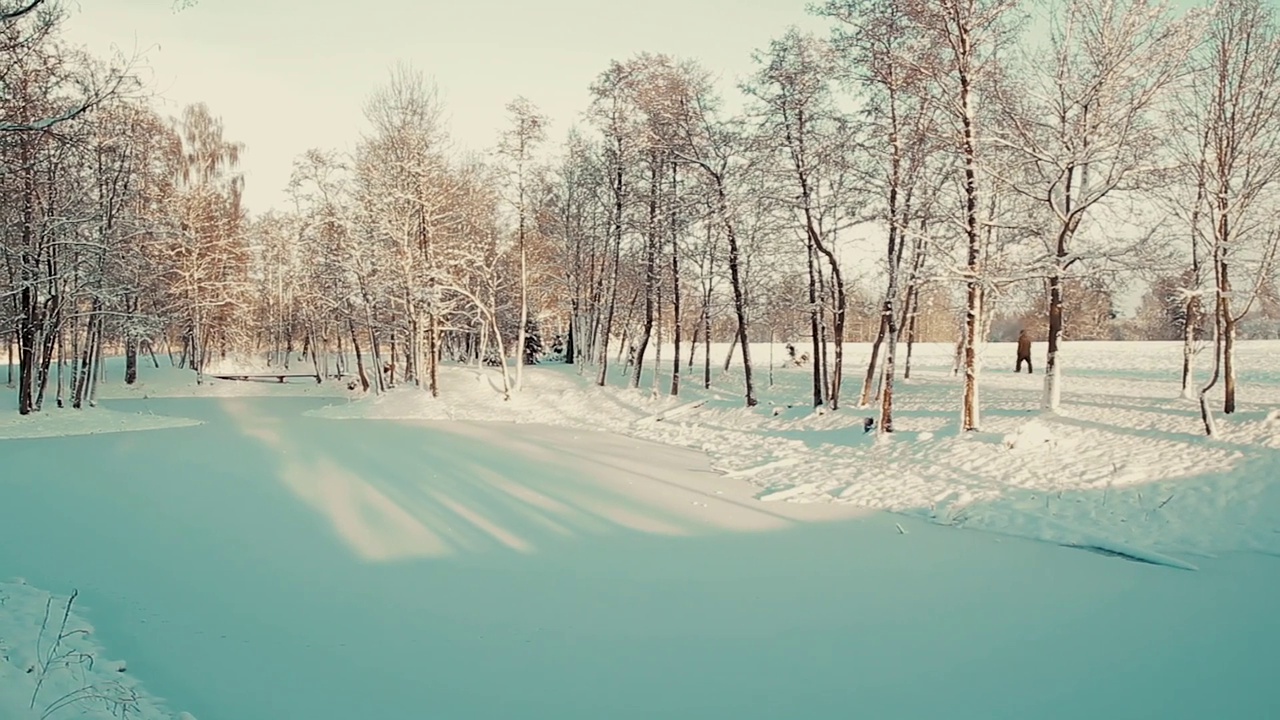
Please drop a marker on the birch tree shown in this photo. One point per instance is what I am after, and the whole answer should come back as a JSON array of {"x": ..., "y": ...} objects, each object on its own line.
[
  {"x": 970, "y": 33},
  {"x": 526, "y": 132},
  {"x": 208, "y": 255},
  {"x": 1081, "y": 119},
  {"x": 404, "y": 188}
]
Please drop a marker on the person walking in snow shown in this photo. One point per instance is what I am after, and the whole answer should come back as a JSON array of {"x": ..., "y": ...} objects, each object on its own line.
[{"x": 1024, "y": 352}]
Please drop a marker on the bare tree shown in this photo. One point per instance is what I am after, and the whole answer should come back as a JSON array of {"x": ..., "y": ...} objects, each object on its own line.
[
  {"x": 518, "y": 144},
  {"x": 1237, "y": 93},
  {"x": 1081, "y": 120},
  {"x": 799, "y": 118},
  {"x": 617, "y": 120},
  {"x": 32, "y": 25},
  {"x": 714, "y": 146},
  {"x": 970, "y": 33},
  {"x": 882, "y": 44},
  {"x": 406, "y": 194}
]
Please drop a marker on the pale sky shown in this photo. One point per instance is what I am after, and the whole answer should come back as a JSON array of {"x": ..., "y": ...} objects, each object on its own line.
[{"x": 288, "y": 75}]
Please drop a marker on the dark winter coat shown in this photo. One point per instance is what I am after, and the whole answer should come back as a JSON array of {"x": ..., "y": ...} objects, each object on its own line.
[{"x": 1024, "y": 346}]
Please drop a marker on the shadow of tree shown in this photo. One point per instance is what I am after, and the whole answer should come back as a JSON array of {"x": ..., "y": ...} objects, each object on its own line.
[{"x": 433, "y": 489}]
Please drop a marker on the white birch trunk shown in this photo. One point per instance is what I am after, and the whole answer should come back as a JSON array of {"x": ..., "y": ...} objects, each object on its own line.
[{"x": 524, "y": 319}]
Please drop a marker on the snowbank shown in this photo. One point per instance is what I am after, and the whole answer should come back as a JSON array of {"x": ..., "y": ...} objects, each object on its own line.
[
  {"x": 57, "y": 422},
  {"x": 51, "y": 668}
]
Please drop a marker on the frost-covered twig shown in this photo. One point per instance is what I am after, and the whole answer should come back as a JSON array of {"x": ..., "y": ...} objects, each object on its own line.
[
  {"x": 119, "y": 700},
  {"x": 54, "y": 657}
]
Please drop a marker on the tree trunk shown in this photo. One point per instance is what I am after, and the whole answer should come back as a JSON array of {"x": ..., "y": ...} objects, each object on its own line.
[
  {"x": 891, "y": 350},
  {"x": 1191, "y": 320},
  {"x": 1052, "y": 373},
  {"x": 706, "y": 350},
  {"x": 971, "y": 419},
  {"x": 502, "y": 353},
  {"x": 26, "y": 352},
  {"x": 868, "y": 381},
  {"x": 413, "y": 351},
  {"x": 970, "y": 414},
  {"x": 49, "y": 341},
  {"x": 657, "y": 343},
  {"x": 62, "y": 358},
  {"x": 375, "y": 356},
  {"x": 677, "y": 322},
  {"x": 361, "y": 373},
  {"x": 1228, "y": 320},
  {"x": 130, "y": 361},
  {"x": 815, "y": 333},
  {"x": 839, "y": 314},
  {"x": 693, "y": 344},
  {"x": 433, "y": 352},
  {"x": 30, "y": 317},
  {"x": 315, "y": 358},
  {"x": 340, "y": 360},
  {"x": 86, "y": 363},
  {"x": 739, "y": 291},
  {"x": 414, "y": 357},
  {"x": 904, "y": 323},
  {"x": 728, "y": 358},
  {"x": 1228, "y": 357},
  {"x": 569, "y": 346},
  {"x": 98, "y": 372},
  {"x": 1206, "y": 414},
  {"x": 912, "y": 309},
  {"x": 617, "y": 262},
  {"x": 524, "y": 310},
  {"x": 650, "y": 276},
  {"x": 911, "y": 331},
  {"x": 824, "y": 360}
]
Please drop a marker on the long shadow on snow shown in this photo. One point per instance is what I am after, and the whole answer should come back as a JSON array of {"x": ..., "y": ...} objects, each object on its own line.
[
  {"x": 461, "y": 489},
  {"x": 196, "y": 530},
  {"x": 474, "y": 486},
  {"x": 1147, "y": 434}
]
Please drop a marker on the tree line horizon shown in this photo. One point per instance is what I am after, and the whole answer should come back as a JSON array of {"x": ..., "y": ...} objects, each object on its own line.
[{"x": 1008, "y": 164}]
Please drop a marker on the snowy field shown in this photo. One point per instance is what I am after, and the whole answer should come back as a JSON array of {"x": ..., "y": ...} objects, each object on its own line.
[
  {"x": 285, "y": 551},
  {"x": 1123, "y": 464}
]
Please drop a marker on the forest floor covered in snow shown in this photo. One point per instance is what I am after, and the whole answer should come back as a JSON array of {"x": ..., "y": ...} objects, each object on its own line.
[{"x": 291, "y": 550}]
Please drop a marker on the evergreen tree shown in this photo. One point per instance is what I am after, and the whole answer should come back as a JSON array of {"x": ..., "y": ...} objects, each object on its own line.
[{"x": 532, "y": 342}]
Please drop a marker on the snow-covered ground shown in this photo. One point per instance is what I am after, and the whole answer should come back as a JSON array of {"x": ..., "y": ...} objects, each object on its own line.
[
  {"x": 290, "y": 550},
  {"x": 162, "y": 382},
  {"x": 60, "y": 422},
  {"x": 1122, "y": 465},
  {"x": 268, "y": 564},
  {"x": 52, "y": 667}
]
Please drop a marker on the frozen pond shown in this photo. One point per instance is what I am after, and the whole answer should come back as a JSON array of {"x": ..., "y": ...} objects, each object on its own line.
[{"x": 269, "y": 565}]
